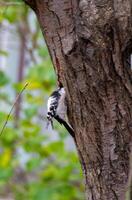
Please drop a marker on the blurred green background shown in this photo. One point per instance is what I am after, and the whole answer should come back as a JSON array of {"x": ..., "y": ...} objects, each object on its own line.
[{"x": 35, "y": 163}]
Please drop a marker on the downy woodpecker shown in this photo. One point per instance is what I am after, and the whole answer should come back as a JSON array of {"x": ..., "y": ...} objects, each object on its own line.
[{"x": 57, "y": 109}]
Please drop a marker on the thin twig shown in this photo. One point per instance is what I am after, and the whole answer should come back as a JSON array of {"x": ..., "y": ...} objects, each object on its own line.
[{"x": 18, "y": 96}]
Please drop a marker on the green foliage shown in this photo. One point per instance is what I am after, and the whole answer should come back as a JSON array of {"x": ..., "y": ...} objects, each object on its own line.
[
  {"x": 32, "y": 165},
  {"x": 3, "y": 53},
  {"x": 10, "y": 10},
  {"x": 39, "y": 76},
  {"x": 3, "y": 79}
]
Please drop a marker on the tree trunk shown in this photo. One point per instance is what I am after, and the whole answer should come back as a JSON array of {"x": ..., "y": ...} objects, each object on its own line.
[
  {"x": 90, "y": 43},
  {"x": 20, "y": 72}
]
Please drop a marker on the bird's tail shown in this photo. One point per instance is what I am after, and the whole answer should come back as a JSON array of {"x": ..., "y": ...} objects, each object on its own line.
[{"x": 66, "y": 125}]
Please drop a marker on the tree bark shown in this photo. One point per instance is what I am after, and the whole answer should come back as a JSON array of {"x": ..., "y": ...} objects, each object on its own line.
[{"x": 90, "y": 42}]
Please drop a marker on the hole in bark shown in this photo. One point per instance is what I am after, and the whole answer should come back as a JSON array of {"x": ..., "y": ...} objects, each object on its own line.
[
  {"x": 129, "y": 61},
  {"x": 127, "y": 55},
  {"x": 87, "y": 48},
  {"x": 110, "y": 33}
]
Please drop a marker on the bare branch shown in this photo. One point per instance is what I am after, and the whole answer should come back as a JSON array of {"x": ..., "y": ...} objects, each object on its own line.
[{"x": 17, "y": 98}]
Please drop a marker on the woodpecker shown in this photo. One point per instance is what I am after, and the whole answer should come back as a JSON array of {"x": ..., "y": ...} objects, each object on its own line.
[{"x": 57, "y": 109}]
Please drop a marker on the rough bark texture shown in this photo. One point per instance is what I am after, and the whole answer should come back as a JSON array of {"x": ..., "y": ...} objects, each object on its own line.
[{"x": 90, "y": 42}]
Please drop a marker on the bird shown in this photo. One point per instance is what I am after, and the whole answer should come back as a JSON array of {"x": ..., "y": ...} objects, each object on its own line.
[{"x": 57, "y": 109}]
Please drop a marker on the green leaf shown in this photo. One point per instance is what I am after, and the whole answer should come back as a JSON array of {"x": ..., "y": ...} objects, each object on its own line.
[
  {"x": 5, "y": 173},
  {"x": 3, "y": 79},
  {"x": 9, "y": 136},
  {"x": 44, "y": 194},
  {"x": 33, "y": 163},
  {"x": 3, "y": 53},
  {"x": 31, "y": 111}
]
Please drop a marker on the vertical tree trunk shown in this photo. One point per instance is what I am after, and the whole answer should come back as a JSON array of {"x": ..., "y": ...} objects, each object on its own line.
[
  {"x": 20, "y": 73},
  {"x": 90, "y": 43}
]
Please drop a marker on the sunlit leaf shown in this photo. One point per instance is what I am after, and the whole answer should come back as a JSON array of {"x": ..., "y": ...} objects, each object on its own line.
[
  {"x": 3, "y": 53},
  {"x": 5, "y": 157}
]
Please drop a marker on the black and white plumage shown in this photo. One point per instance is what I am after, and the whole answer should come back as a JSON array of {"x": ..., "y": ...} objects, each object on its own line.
[{"x": 57, "y": 109}]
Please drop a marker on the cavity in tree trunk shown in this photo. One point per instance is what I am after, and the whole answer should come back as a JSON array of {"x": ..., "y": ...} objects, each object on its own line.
[{"x": 90, "y": 43}]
